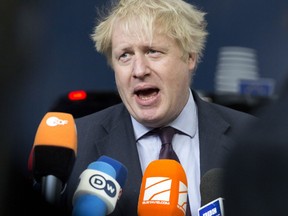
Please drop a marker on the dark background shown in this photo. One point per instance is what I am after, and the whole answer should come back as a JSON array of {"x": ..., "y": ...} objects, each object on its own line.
[{"x": 46, "y": 52}]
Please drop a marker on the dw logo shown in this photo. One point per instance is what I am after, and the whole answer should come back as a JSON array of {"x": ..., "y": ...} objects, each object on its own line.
[{"x": 100, "y": 183}]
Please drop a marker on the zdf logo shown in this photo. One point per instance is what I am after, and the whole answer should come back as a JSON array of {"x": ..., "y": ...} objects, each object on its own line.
[
  {"x": 100, "y": 183},
  {"x": 55, "y": 121}
]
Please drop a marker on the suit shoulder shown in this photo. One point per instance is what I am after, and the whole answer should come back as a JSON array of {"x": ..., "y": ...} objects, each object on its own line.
[
  {"x": 218, "y": 109},
  {"x": 231, "y": 111},
  {"x": 109, "y": 114},
  {"x": 217, "y": 112},
  {"x": 238, "y": 120}
]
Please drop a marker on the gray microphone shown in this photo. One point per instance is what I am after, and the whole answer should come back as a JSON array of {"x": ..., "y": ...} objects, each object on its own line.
[{"x": 212, "y": 191}]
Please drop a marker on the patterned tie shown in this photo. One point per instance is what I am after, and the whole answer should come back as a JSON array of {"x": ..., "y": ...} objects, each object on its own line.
[{"x": 166, "y": 135}]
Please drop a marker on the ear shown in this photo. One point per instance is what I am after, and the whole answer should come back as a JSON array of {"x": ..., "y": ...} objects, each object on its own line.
[{"x": 192, "y": 61}]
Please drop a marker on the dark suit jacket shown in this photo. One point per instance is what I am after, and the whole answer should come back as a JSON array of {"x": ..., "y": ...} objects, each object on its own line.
[{"x": 110, "y": 132}]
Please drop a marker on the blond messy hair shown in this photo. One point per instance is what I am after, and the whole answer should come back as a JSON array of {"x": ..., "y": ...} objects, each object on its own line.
[{"x": 175, "y": 18}]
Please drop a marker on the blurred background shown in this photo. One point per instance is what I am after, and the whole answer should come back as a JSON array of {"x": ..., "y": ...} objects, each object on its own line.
[{"x": 46, "y": 53}]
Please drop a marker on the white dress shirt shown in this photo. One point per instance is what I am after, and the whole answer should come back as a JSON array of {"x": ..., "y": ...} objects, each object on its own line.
[{"x": 185, "y": 145}]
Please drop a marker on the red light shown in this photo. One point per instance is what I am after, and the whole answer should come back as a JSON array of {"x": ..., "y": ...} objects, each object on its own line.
[{"x": 77, "y": 95}]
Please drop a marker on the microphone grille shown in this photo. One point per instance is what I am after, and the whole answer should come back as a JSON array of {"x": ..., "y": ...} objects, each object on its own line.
[{"x": 211, "y": 186}]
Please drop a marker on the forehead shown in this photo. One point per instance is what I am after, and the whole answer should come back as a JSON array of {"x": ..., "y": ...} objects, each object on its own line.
[{"x": 137, "y": 30}]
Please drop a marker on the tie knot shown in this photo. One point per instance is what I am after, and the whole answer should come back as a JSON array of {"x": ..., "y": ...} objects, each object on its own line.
[{"x": 166, "y": 134}]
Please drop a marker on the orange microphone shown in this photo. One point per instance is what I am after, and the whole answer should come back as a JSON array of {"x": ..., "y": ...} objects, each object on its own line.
[
  {"x": 54, "y": 153},
  {"x": 163, "y": 189}
]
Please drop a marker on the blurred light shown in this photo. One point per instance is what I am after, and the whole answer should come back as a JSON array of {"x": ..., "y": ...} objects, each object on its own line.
[{"x": 77, "y": 95}]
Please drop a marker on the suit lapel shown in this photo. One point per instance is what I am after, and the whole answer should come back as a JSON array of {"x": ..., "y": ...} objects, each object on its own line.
[
  {"x": 212, "y": 136},
  {"x": 119, "y": 143}
]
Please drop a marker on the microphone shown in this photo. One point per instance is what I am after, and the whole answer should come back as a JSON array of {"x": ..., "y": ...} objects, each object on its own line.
[
  {"x": 99, "y": 188},
  {"x": 53, "y": 154},
  {"x": 163, "y": 189},
  {"x": 211, "y": 189}
]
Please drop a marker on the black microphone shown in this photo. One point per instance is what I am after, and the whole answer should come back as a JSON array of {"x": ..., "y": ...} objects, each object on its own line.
[
  {"x": 212, "y": 191},
  {"x": 53, "y": 154}
]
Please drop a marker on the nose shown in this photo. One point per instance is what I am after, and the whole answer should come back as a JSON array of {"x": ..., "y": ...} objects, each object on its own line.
[{"x": 140, "y": 67}]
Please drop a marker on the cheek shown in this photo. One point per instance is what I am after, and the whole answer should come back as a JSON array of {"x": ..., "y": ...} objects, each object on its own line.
[
  {"x": 118, "y": 81},
  {"x": 180, "y": 77},
  {"x": 122, "y": 80},
  {"x": 181, "y": 83},
  {"x": 119, "y": 75}
]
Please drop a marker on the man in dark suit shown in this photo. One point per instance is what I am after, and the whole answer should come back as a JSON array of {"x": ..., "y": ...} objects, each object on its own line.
[{"x": 154, "y": 48}]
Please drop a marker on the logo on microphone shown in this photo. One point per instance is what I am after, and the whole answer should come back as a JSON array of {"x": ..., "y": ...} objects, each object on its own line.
[
  {"x": 100, "y": 183},
  {"x": 158, "y": 191},
  {"x": 214, "y": 208},
  {"x": 54, "y": 121}
]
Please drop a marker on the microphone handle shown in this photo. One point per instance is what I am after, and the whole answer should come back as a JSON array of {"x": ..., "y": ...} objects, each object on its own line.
[{"x": 51, "y": 189}]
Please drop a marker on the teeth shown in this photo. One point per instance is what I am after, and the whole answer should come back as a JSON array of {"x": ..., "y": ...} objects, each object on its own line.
[
  {"x": 145, "y": 97},
  {"x": 147, "y": 94}
]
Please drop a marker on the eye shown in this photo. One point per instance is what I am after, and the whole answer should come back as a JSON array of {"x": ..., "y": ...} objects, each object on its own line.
[
  {"x": 153, "y": 53},
  {"x": 124, "y": 57}
]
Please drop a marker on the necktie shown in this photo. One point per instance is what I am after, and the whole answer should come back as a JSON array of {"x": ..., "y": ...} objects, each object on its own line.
[{"x": 166, "y": 135}]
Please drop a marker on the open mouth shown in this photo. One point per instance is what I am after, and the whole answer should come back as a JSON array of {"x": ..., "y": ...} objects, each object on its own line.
[{"x": 146, "y": 94}]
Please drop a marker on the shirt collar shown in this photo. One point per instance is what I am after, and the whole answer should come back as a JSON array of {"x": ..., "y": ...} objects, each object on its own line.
[{"x": 186, "y": 122}]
